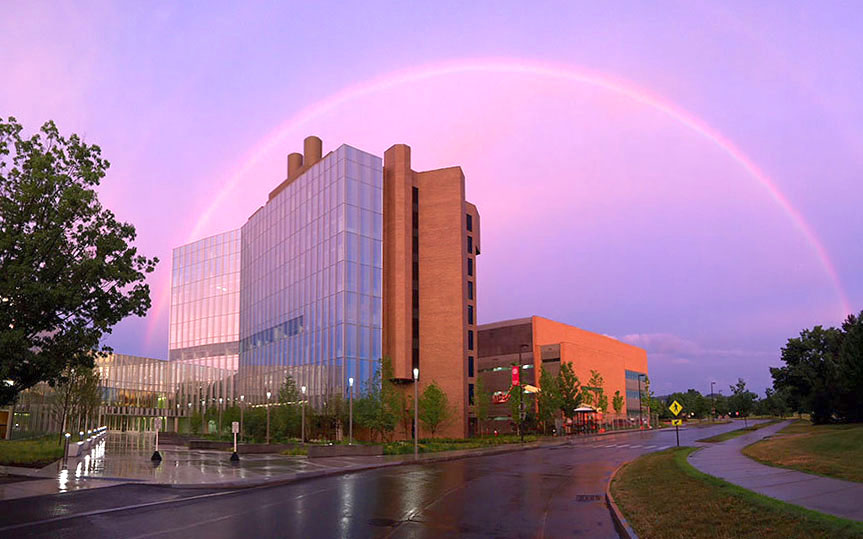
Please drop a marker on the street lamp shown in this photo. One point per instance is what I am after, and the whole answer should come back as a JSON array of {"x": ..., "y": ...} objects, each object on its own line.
[
  {"x": 220, "y": 415},
  {"x": 268, "y": 416},
  {"x": 351, "y": 413},
  {"x": 640, "y": 418},
  {"x": 303, "y": 424},
  {"x": 521, "y": 395},
  {"x": 242, "y": 399},
  {"x": 416, "y": 414},
  {"x": 713, "y": 400}
]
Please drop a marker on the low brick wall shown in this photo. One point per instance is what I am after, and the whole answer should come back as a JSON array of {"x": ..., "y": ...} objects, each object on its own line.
[{"x": 318, "y": 451}]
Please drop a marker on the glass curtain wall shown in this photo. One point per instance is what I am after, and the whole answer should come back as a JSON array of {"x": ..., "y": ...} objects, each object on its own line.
[
  {"x": 204, "y": 321},
  {"x": 310, "y": 295}
]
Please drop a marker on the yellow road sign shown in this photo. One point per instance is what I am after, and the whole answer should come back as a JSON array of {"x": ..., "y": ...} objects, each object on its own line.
[
  {"x": 677, "y": 422},
  {"x": 675, "y": 407}
]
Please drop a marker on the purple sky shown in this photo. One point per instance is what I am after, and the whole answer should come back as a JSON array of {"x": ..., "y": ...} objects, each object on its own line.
[{"x": 663, "y": 173}]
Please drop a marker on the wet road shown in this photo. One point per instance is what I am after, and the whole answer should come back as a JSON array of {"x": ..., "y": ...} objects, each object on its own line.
[{"x": 549, "y": 492}]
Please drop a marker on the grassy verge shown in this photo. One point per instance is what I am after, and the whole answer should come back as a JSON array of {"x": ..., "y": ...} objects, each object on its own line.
[
  {"x": 663, "y": 496},
  {"x": 435, "y": 445},
  {"x": 830, "y": 450},
  {"x": 30, "y": 453},
  {"x": 738, "y": 432}
]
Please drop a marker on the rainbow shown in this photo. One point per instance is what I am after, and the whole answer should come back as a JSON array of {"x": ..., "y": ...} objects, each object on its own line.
[{"x": 513, "y": 66}]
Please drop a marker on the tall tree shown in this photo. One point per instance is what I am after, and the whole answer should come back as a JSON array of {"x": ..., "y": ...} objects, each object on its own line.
[
  {"x": 742, "y": 401},
  {"x": 594, "y": 391},
  {"x": 570, "y": 390},
  {"x": 68, "y": 270},
  {"x": 434, "y": 408},
  {"x": 482, "y": 402},
  {"x": 548, "y": 398},
  {"x": 617, "y": 402},
  {"x": 812, "y": 372},
  {"x": 377, "y": 409}
]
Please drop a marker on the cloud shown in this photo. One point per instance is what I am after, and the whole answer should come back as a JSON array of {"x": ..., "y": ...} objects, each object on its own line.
[{"x": 667, "y": 347}]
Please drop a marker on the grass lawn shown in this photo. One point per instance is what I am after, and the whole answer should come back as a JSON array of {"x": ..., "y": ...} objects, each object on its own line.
[
  {"x": 738, "y": 432},
  {"x": 435, "y": 445},
  {"x": 831, "y": 450},
  {"x": 30, "y": 453},
  {"x": 662, "y": 496}
]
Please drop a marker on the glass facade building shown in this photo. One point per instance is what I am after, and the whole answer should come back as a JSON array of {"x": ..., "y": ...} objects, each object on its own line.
[
  {"x": 311, "y": 279},
  {"x": 204, "y": 319}
]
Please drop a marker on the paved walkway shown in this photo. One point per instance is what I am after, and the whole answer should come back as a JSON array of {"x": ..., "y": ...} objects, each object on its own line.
[{"x": 725, "y": 460}]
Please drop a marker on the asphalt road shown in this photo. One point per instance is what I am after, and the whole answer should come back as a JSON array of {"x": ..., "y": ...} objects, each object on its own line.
[{"x": 549, "y": 492}]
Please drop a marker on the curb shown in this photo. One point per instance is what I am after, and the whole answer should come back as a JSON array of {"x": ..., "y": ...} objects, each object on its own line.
[{"x": 620, "y": 523}]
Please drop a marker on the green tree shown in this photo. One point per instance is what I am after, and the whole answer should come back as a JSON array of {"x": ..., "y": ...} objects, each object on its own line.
[
  {"x": 548, "y": 399},
  {"x": 742, "y": 401},
  {"x": 812, "y": 372},
  {"x": 377, "y": 409},
  {"x": 434, "y": 408},
  {"x": 482, "y": 402},
  {"x": 617, "y": 402},
  {"x": 849, "y": 387},
  {"x": 569, "y": 387},
  {"x": 594, "y": 392},
  {"x": 68, "y": 271},
  {"x": 77, "y": 397},
  {"x": 519, "y": 405}
]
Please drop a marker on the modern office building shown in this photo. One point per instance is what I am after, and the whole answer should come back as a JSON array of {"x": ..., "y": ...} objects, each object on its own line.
[
  {"x": 352, "y": 258},
  {"x": 537, "y": 343},
  {"x": 203, "y": 334}
]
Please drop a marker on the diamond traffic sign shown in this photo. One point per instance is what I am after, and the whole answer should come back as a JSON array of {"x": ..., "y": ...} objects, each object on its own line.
[
  {"x": 677, "y": 422},
  {"x": 675, "y": 407}
]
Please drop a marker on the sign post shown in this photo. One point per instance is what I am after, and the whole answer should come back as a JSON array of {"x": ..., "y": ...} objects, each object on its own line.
[
  {"x": 235, "y": 429},
  {"x": 157, "y": 424},
  {"x": 675, "y": 409}
]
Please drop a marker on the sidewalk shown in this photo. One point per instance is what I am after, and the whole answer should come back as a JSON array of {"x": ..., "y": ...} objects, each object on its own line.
[{"x": 725, "y": 460}]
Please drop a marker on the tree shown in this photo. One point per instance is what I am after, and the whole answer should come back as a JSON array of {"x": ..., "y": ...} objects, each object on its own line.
[
  {"x": 812, "y": 372},
  {"x": 434, "y": 408},
  {"x": 482, "y": 402},
  {"x": 570, "y": 390},
  {"x": 548, "y": 398},
  {"x": 377, "y": 409},
  {"x": 594, "y": 393},
  {"x": 617, "y": 402},
  {"x": 77, "y": 396},
  {"x": 742, "y": 401},
  {"x": 849, "y": 401},
  {"x": 68, "y": 271}
]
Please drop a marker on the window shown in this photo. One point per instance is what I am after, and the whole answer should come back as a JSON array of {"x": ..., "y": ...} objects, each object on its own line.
[
  {"x": 470, "y": 244},
  {"x": 470, "y": 340},
  {"x": 470, "y": 365},
  {"x": 469, "y": 222},
  {"x": 470, "y": 314},
  {"x": 470, "y": 394},
  {"x": 470, "y": 266},
  {"x": 470, "y": 290}
]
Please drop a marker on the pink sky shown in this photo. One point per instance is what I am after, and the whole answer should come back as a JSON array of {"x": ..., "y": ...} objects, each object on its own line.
[{"x": 598, "y": 208}]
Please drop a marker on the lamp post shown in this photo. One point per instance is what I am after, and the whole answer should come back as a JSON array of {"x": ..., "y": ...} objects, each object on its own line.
[
  {"x": 521, "y": 395},
  {"x": 416, "y": 414},
  {"x": 203, "y": 418},
  {"x": 220, "y": 415},
  {"x": 268, "y": 416},
  {"x": 242, "y": 399},
  {"x": 351, "y": 413},
  {"x": 713, "y": 401},
  {"x": 640, "y": 418},
  {"x": 66, "y": 448},
  {"x": 303, "y": 424}
]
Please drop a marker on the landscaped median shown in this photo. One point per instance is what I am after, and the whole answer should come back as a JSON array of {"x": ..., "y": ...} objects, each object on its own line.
[
  {"x": 829, "y": 450},
  {"x": 33, "y": 453},
  {"x": 436, "y": 445},
  {"x": 662, "y": 495},
  {"x": 738, "y": 432}
]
